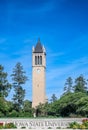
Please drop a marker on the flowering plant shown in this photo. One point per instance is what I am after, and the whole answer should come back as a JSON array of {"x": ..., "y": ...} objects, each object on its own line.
[
  {"x": 1, "y": 125},
  {"x": 85, "y": 120},
  {"x": 76, "y": 125},
  {"x": 7, "y": 125}
]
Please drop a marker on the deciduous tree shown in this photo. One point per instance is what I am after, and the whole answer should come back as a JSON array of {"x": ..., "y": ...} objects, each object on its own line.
[{"x": 5, "y": 86}]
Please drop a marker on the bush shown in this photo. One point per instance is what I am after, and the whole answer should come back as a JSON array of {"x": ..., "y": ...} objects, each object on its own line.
[
  {"x": 76, "y": 125},
  {"x": 1, "y": 125},
  {"x": 85, "y": 123},
  {"x": 75, "y": 116},
  {"x": 13, "y": 114},
  {"x": 9, "y": 126},
  {"x": 1, "y": 114}
]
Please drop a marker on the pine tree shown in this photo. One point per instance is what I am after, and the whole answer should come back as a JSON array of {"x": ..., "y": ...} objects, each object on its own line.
[
  {"x": 68, "y": 85},
  {"x": 80, "y": 84},
  {"x": 19, "y": 79},
  {"x": 5, "y": 86},
  {"x": 53, "y": 98}
]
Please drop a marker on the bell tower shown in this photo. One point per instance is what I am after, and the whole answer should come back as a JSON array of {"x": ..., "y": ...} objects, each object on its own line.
[{"x": 38, "y": 74}]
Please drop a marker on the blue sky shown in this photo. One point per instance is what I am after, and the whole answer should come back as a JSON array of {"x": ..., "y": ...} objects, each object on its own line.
[{"x": 62, "y": 26}]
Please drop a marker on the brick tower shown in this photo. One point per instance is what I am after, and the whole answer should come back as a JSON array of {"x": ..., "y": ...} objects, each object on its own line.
[{"x": 38, "y": 74}]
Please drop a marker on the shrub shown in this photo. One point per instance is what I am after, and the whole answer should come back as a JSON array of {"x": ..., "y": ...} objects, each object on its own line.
[
  {"x": 13, "y": 114},
  {"x": 82, "y": 126},
  {"x": 85, "y": 123},
  {"x": 85, "y": 120},
  {"x": 1, "y": 125},
  {"x": 1, "y": 114},
  {"x": 74, "y": 125},
  {"x": 23, "y": 127},
  {"x": 9, "y": 125}
]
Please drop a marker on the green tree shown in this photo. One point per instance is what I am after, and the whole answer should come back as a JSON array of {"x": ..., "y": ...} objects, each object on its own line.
[
  {"x": 27, "y": 109},
  {"x": 53, "y": 98},
  {"x": 5, "y": 86},
  {"x": 40, "y": 110},
  {"x": 4, "y": 108},
  {"x": 27, "y": 105},
  {"x": 82, "y": 104},
  {"x": 68, "y": 104},
  {"x": 68, "y": 85},
  {"x": 53, "y": 109},
  {"x": 19, "y": 79},
  {"x": 80, "y": 84}
]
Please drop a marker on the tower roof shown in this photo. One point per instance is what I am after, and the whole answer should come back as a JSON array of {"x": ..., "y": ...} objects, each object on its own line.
[{"x": 38, "y": 47}]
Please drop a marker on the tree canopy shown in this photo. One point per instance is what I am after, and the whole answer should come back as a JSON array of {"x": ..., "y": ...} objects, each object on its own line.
[
  {"x": 5, "y": 86},
  {"x": 72, "y": 103}
]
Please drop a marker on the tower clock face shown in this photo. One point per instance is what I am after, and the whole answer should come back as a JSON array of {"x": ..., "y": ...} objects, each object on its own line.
[{"x": 38, "y": 70}]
